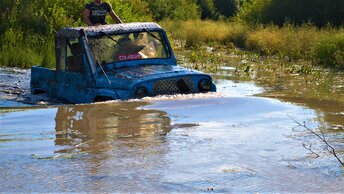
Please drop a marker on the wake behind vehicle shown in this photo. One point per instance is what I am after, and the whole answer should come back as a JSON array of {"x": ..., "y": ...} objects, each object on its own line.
[{"x": 120, "y": 61}]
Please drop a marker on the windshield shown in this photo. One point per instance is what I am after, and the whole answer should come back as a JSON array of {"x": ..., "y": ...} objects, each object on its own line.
[{"x": 129, "y": 46}]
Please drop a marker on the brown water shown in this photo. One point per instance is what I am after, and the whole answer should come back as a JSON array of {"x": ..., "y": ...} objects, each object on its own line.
[{"x": 231, "y": 141}]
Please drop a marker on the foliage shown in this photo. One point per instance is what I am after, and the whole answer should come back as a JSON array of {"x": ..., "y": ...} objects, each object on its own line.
[
  {"x": 226, "y": 8},
  {"x": 27, "y": 27},
  {"x": 178, "y": 9},
  {"x": 41, "y": 16},
  {"x": 306, "y": 42},
  {"x": 319, "y": 12},
  {"x": 198, "y": 32},
  {"x": 208, "y": 10},
  {"x": 289, "y": 41},
  {"x": 217, "y": 9},
  {"x": 329, "y": 50},
  {"x": 131, "y": 10},
  {"x": 24, "y": 50}
]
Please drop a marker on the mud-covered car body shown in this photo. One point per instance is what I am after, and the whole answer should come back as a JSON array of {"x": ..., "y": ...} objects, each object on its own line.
[{"x": 120, "y": 61}]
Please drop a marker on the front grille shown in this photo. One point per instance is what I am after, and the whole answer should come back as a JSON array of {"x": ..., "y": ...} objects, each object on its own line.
[{"x": 173, "y": 86}]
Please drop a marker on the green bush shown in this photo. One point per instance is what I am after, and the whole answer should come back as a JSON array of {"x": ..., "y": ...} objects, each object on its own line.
[
  {"x": 178, "y": 9},
  {"x": 18, "y": 57},
  {"x": 208, "y": 10},
  {"x": 288, "y": 41},
  {"x": 40, "y": 16},
  {"x": 22, "y": 49},
  {"x": 318, "y": 12},
  {"x": 329, "y": 51},
  {"x": 27, "y": 27},
  {"x": 226, "y": 8},
  {"x": 131, "y": 10},
  {"x": 197, "y": 32}
]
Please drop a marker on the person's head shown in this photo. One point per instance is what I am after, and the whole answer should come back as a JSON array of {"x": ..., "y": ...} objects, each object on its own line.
[{"x": 98, "y": 1}]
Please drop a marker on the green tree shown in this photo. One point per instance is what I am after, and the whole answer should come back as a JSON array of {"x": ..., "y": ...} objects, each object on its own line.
[
  {"x": 319, "y": 12},
  {"x": 132, "y": 10},
  {"x": 226, "y": 8},
  {"x": 208, "y": 10},
  {"x": 178, "y": 9}
]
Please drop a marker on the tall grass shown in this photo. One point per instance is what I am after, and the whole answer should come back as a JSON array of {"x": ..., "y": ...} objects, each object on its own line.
[
  {"x": 306, "y": 42},
  {"x": 323, "y": 46},
  {"x": 198, "y": 32},
  {"x": 329, "y": 50},
  {"x": 288, "y": 41},
  {"x": 27, "y": 27},
  {"x": 277, "y": 12},
  {"x": 20, "y": 49}
]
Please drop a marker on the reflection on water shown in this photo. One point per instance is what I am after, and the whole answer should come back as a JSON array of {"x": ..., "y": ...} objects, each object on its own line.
[
  {"x": 81, "y": 148},
  {"x": 99, "y": 129},
  {"x": 103, "y": 122},
  {"x": 235, "y": 144}
]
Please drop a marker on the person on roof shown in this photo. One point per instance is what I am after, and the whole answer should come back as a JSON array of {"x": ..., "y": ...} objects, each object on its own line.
[{"x": 95, "y": 13}]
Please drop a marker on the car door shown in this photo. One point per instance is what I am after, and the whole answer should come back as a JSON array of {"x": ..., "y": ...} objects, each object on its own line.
[{"x": 71, "y": 82}]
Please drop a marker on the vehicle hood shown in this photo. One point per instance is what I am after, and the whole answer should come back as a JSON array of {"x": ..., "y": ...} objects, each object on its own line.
[
  {"x": 125, "y": 78},
  {"x": 151, "y": 72}
]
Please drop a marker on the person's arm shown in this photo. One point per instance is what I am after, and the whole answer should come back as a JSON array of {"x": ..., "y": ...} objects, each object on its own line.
[
  {"x": 86, "y": 17},
  {"x": 115, "y": 17}
]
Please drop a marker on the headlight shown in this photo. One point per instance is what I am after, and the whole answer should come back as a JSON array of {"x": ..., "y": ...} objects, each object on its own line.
[
  {"x": 141, "y": 92},
  {"x": 204, "y": 85}
]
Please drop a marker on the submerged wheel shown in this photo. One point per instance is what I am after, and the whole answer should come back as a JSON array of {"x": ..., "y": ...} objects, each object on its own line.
[
  {"x": 102, "y": 98},
  {"x": 204, "y": 85},
  {"x": 141, "y": 92},
  {"x": 38, "y": 91}
]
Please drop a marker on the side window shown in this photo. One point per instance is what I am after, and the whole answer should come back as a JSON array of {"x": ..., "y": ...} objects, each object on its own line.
[{"x": 74, "y": 62}]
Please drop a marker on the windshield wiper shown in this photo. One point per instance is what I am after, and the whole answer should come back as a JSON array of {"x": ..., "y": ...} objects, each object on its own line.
[
  {"x": 153, "y": 35},
  {"x": 107, "y": 35},
  {"x": 101, "y": 67}
]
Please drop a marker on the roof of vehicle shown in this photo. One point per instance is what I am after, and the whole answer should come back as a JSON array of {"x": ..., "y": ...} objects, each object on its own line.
[{"x": 109, "y": 29}]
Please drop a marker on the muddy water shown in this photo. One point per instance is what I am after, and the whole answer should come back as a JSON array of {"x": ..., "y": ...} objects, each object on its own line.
[{"x": 231, "y": 141}]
